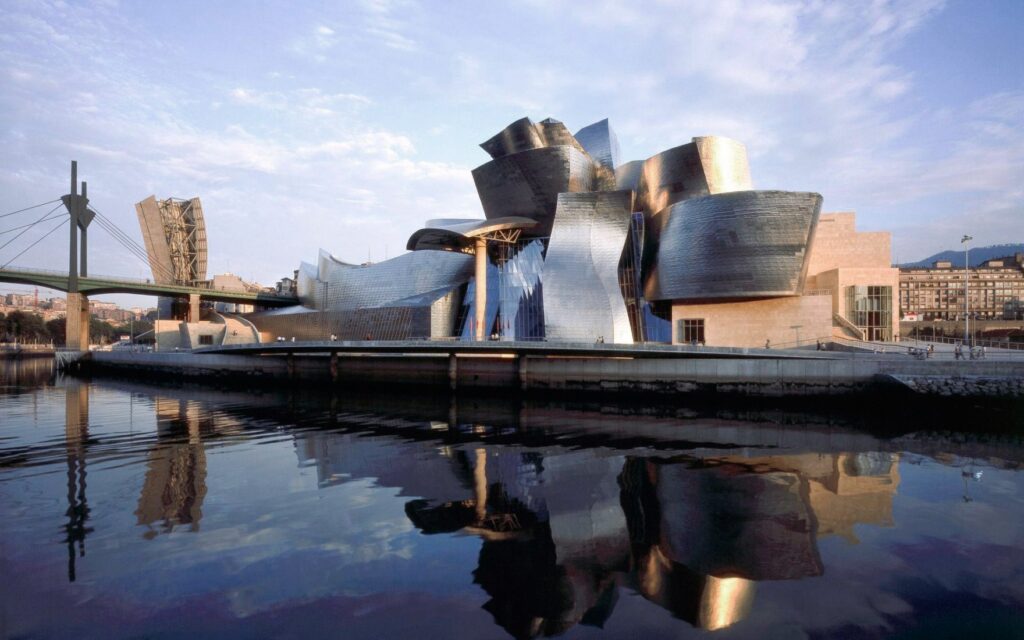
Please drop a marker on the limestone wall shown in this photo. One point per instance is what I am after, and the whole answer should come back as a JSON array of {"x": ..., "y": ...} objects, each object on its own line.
[{"x": 750, "y": 323}]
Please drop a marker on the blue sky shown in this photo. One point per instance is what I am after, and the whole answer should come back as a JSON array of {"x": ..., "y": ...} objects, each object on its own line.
[{"x": 345, "y": 125}]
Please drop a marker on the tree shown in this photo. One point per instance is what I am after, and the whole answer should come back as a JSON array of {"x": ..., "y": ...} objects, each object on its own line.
[
  {"x": 57, "y": 330},
  {"x": 25, "y": 327}
]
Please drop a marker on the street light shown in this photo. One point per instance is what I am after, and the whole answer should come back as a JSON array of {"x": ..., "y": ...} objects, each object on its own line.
[{"x": 967, "y": 279}]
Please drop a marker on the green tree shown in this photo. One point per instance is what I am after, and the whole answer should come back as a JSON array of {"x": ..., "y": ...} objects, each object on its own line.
[
  {"x": 25, "y": 327},
  {"x": 56, "y": 329}
]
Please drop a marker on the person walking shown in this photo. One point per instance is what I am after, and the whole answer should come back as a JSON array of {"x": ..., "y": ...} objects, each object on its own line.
[{"x": 768, "y": 344}]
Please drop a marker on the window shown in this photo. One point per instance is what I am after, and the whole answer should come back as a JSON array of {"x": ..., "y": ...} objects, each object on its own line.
[
  {"x": 205, "y": 339},
  {"x": 690, "y": 331}
]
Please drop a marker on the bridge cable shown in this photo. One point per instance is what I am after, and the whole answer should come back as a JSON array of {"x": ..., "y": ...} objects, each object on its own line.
[
  {"x": 129, "y": 243},
  {"x": 29, "y": 208},
  {"x": 114, "y": 230},
  {"x": 121, "y": 240},
  {"x": 41, "y": 238},
  {"x": 12, "y": 229},
  {"x": 45, "y": 215},
  {"x": 131, "y": 249},
  {"x": 126, "y": 241}
]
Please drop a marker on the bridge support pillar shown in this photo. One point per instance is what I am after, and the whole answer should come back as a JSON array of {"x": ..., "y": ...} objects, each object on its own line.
[
  {"x": 193, "y": 307},
  {"x": 76, "y": 328}
]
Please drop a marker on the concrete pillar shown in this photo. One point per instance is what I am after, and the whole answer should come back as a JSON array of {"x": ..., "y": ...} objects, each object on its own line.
[
  {"x": 84, "y": 271},
  {"x": 480, "y": 485},
  {"x": 76, "y": 329},
  {"x": 522, "y": 371},
  {"x": 481, "y": 289},
  {"x": 193, "y": 307}
]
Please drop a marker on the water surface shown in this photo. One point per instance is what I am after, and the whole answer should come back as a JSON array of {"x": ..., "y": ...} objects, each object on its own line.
[{"x": 130, "y": 510}]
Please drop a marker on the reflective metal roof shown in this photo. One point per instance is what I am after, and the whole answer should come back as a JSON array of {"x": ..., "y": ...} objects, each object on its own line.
[{"x": 458, "y": 235}]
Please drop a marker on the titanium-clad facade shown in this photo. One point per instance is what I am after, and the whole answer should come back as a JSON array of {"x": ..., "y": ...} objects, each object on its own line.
[
  {"x": 577, "y": 246},
  {"x": 349, "y": 286},
  {"x": 600, "y": 141},
  {"x": 527, "y": 183},
  {"x": 416, "y": 295},
  {"x": 583, "y": 300},
  {"x": 745, "y": 244}
]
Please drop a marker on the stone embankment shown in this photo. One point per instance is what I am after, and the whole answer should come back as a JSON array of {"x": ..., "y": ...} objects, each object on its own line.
[
  {"x": 776, "y": 375},
  {"x": 963, "y": 385}
]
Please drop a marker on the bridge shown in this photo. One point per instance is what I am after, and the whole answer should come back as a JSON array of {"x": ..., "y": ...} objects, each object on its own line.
[
  {"x": 79, "y": 285},
  {"x": 96, "y": 285}
]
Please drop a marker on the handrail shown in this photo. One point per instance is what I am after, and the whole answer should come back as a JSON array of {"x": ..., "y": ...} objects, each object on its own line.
[{"x": 845, "y": 323}]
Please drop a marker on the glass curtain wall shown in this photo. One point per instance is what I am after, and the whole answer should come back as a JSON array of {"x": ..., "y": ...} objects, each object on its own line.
[{"x": 870, "y": 308}]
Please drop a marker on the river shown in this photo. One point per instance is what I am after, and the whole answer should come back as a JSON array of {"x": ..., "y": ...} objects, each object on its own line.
[{"x": 136, "y": 510}]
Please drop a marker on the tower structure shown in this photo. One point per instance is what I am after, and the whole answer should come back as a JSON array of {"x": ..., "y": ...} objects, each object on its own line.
[{"x": 175, "y": 235}]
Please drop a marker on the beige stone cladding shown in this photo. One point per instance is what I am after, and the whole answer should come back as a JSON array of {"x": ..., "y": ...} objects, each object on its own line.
[
  {"x": 750, "y": 323},
  {"x": 837, "y": 244},
  {"x": 843, "y": 257}
]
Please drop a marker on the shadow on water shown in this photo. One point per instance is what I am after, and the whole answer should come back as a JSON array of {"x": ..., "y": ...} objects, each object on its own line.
[{"x": 573, "y": 501}]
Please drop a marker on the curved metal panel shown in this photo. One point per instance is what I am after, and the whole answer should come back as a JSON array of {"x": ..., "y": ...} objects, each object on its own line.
[
  {"x": 583, "y": 301},
  {"x": 705, "y": 166},
  {"x": 521, "y": 135},
  {"x": 556, "y": 134},
  {"x": 671, "y": 176},
  {"x": 600, "y": 141},
  {"x": 627, "y": 176},
  {"x": 305, "y": 285},
  {"x": 725, "y": 164},
  {"x": 528, "y": 183},
  {"x": 346, "y": 286},
  {"x": 744, "y": 244},
  {"x": 461, "y": 234}
]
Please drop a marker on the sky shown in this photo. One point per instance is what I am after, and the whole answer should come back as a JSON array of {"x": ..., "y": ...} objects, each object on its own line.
[{"x": 346, "y": 125}]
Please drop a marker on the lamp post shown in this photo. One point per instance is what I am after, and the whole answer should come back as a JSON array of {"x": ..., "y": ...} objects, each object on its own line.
[{"x": 967, "y": 279}]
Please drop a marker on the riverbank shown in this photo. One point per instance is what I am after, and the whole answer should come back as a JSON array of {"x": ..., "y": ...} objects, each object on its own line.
[
  {"x": 12, "y": 353},
  {"x": 774, "y": 374}
]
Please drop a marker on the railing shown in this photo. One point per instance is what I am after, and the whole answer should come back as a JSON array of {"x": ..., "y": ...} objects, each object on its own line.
[
  {"x": 925, "y": 350},
  {"x": 990, "y": 344},
  {"x": 845, "y": 323}
]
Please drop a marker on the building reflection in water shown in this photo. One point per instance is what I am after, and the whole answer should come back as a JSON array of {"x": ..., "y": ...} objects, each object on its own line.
[
  {"x": 175, "y": 483},
  {"x": 561, "y": 534},
  {"x": 76, "y": 435}
]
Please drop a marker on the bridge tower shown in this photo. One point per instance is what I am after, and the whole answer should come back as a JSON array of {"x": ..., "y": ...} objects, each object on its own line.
[{"x": 77, "y": 323}]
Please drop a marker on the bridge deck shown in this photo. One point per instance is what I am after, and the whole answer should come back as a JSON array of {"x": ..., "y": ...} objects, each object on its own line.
[{"x": 95, "y": 285}]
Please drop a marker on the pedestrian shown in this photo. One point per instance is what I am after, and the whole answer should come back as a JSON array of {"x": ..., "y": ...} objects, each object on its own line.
[
  {"x": 819, "y": 345},
  {"x": 957, "y": 352},
  {"x": 931, "y": 350},
  {"x": 984, "y": 352},
  {"x": 768, "y": 344}
]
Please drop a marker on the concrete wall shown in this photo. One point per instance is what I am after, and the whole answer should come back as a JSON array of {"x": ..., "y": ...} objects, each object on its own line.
[
  {"x": 750, "y": 323},
  {"x": 749, "y": 376},
  {"x": 167, "y": 335}
]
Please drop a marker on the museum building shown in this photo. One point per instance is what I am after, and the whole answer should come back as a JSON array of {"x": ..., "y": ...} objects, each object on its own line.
[{"x": 576, "y": 246}]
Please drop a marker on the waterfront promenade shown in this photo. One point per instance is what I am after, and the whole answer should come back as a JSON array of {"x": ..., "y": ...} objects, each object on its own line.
[{"x": 583, "y": 367}]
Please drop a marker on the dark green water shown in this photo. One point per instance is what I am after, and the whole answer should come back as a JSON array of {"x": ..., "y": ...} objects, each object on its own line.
[{"x": 131, "y": 510}]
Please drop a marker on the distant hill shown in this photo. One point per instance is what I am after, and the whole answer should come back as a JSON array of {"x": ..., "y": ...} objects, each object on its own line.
[{"x": 978, "y": 255}]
